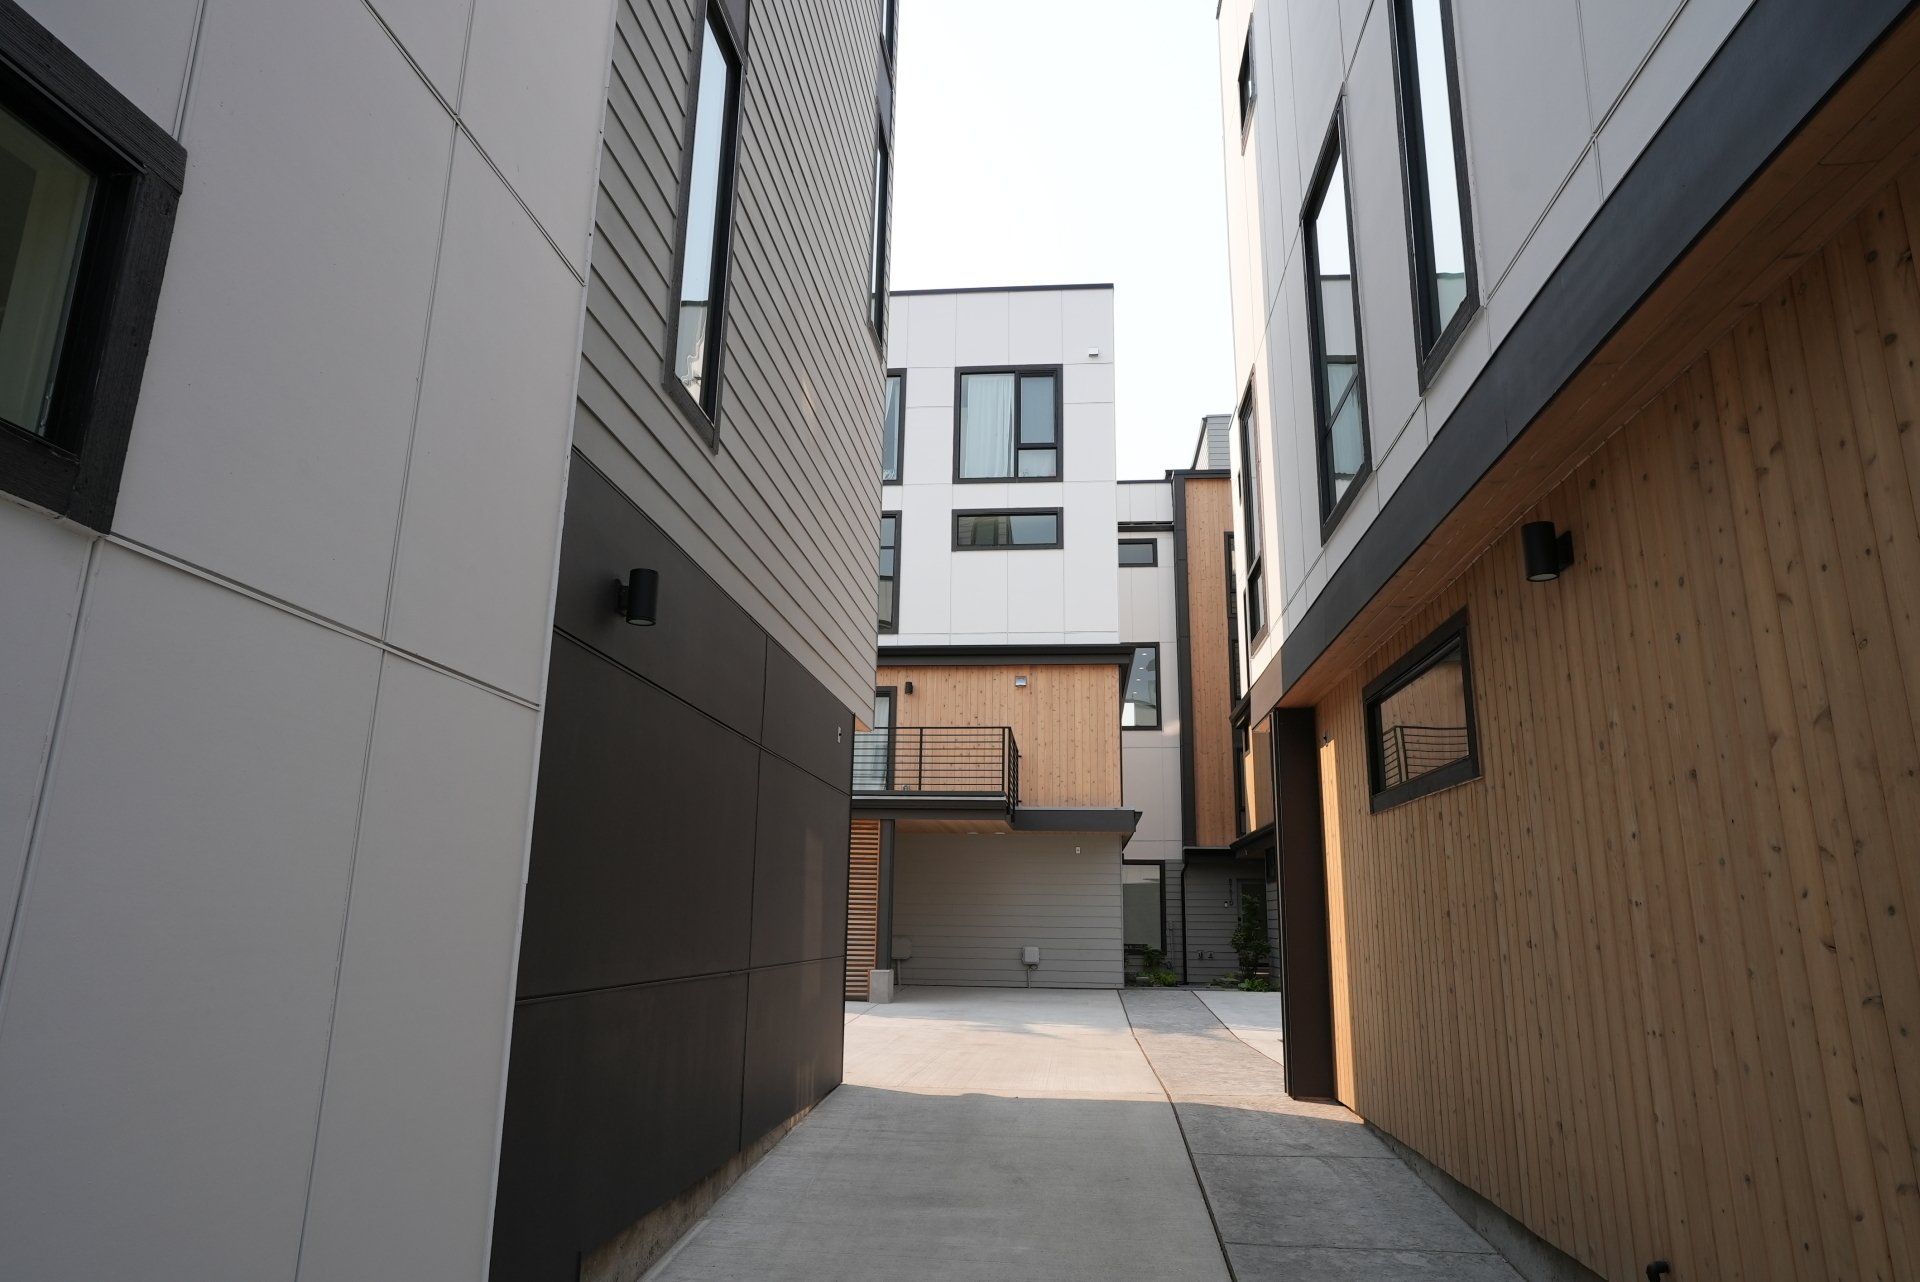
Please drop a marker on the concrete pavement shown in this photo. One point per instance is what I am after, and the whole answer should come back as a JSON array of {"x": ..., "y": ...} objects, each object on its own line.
[{"x": 1045, "y": 1135}]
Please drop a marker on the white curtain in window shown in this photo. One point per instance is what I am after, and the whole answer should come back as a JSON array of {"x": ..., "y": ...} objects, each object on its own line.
[{"x": 986, "y": 425}]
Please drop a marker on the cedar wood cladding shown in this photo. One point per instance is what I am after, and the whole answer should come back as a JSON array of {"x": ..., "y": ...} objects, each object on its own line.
[
  {"x": 784, "y": 513},
  {"x": 1209, "y": 730},
  {"x": 1662, "y": 955}
]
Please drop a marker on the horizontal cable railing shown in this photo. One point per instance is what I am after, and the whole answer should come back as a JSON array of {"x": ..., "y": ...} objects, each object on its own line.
[
  {"x": 1407, "y": 752},
  {"x": 942, "y": 760}
]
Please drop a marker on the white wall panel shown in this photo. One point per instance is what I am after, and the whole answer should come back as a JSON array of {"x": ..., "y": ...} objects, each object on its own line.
[
  {"x": 272, "y": 429},
  {"x": 488, "y": 471},
  {"x": 426, "y": 987},
  {"x": 141, "y": 49},
  {"x": 169, "y": 994},
  {"x": 434, "y": 34}
]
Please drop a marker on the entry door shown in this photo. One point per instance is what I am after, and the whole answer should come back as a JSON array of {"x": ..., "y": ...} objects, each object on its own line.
[{"x": 873, "y": 747}]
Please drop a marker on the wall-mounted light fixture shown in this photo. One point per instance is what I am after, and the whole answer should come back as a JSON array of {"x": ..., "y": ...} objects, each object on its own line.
[
  {"x": 1020, "y": 682},
  {"x": 909, "y": 687},
  {"x": 1547, "y": 551},
  {"x": 637, "y": 598}
]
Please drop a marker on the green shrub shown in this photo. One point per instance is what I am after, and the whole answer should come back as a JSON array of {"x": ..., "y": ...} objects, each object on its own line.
[{"x": 1250, "y": 936}]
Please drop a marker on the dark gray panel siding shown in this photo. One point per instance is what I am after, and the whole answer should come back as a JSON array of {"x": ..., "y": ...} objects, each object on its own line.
[
  {"x": 784, "y": 513},
  {"x": 686, "y": 901}
]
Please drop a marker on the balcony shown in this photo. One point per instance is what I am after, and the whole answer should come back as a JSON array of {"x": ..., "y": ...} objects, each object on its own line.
[{"x": 937, "y": 768}]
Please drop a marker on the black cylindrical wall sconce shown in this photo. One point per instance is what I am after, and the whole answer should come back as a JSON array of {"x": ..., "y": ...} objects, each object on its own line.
[
  {"x": 1547, "y": 551},
  {"x": 637, "y": 598}
]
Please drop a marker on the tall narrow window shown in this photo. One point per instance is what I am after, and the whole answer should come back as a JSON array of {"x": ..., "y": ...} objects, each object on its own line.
[
  {"x": 889, "y": 28},
  {"x": 1008, "y": 425},
  {"x": 1140, "y": 704},
  {"x": 889, "y": 571},
  {"x": 1434, "y": 162},
  {"x": 706, "y": 222},
  {"x": 1339, "y": 384},
  {"x": 1143, "y": 905},
  {"x": 1250, "y": 515},
  {"x": 1233, "y": 626},
  {"x": 1249, "y": 90},
  {"x": 890, "y": 425},
  {"x": 877, "y": 241}
]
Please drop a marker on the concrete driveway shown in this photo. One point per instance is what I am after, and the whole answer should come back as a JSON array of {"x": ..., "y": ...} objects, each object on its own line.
[{"x": 1047, "y": 1134}]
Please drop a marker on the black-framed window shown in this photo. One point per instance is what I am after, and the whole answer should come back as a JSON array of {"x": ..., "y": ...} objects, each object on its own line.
[
  {"x": 1250, "y": 514},
  {"x": 894, "y": 417},
  {"x": 890, "y": 29},
  {"x": 1143, "y": 899},
  {"x": 1233, "y": 623},
  {"x": 1434, "y": 166},
  {"x": 1139, "y": 552},
  {"x": 1333, "y": 313},
  {"x": 873, "y": 746},
  {"x": 88, "y": 190},
  {"x": 889, "y": 603},
  {"x": 1140, "y": 701},
  {"x": 1420, "y": 726},
  {"x": 981, "y": 530},
  {"x": 706, "y": 225},
  {"x": 877, "y": 238},
  {"x": 1007, "y": 424},
  {"x": 1249, "y": 87}
]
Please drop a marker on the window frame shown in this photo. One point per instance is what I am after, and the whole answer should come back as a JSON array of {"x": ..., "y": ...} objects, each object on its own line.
[
  {"x": 900, "y": 434},
  {"x": 879, "y": 239},
  {"x": 139, "y": 170},
  {"x": 890, "y": 32},
  {"x": 703, "y": 419},
  {"x": 1159, "y": 690},
  {"x": 1059, "y": 529},
  {"x": 1332, "y": 152},
  {"x": 1435, "y": 342},
  {"x": 1162, "y": 865},
  {"x": 894, "y": 627},
  {"x": 1246, "y": 426},
  {"x": 1153, "y": 550},
  {"x": 1059, "y": 446},
  {"x": 1418, "y": 659}
]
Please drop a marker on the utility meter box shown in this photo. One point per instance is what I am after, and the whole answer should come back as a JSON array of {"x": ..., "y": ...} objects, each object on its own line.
[
  {"x": 902, "y": 948},
  {"x": 1030, "y": 955}
]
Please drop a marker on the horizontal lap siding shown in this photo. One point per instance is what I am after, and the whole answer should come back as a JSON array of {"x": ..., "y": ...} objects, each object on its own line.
[
  {"x": 784, "y": 513},
  {"x": 1650, "y": 984},
  {"x": 969, "y": 904}
]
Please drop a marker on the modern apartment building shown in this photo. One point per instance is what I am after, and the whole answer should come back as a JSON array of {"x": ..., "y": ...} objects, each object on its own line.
[
  {"x": 1577, "y": 569},
  {"x": 1018, "y": 786},
  {"x": 352, "y": 355}
]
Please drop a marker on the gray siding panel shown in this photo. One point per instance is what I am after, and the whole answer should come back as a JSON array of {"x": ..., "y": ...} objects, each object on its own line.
[
  {"x": 784, "y": 513},
  {"x": 969, "y": 904}
]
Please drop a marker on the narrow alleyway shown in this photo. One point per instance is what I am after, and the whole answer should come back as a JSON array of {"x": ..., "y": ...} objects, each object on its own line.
[{"x": 1057, "y": 1135}]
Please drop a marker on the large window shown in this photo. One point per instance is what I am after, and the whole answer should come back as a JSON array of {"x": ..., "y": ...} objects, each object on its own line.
[
  {"x": 88, "y": 188},
  {"x": 1143, "y": 905},
  {"x": 706, "y": 225},
  {"x": 1420, "y": 731},
  {"x": 889, "y": 571},
  {"x": 877, "y": 240},
  {"x": 1333, "y": 311},
  {"x": 1033, "y": 527},
  {"x": 1250, "y": 515},
  {"x": 890, "y": 425},
  {"x": 1435, "y": 166},
  {"x": 1140, "y": 701},
  {"x": 1008, "y": 425}
]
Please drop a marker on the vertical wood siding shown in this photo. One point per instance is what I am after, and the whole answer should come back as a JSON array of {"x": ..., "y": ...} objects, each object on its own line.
[
  {"x": 863, "y": 906},
  {"x": 1209, "y": 515},
  {"x": 1066, "y": 721},
  {"x": 1651, "y": 984},
  {"x": 785, "y": 513}
]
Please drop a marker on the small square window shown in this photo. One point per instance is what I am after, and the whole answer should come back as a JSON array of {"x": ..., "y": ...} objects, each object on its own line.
[
  {"x": 1139, "y": 552},
  {"x": 1420, "y": 728}
]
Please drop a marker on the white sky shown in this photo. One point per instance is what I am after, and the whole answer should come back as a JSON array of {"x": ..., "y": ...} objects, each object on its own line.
[{"x": 1065, "y": 141}]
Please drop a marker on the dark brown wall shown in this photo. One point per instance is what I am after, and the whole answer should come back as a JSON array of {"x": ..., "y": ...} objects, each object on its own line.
[{"x": 684, "y": 940}]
